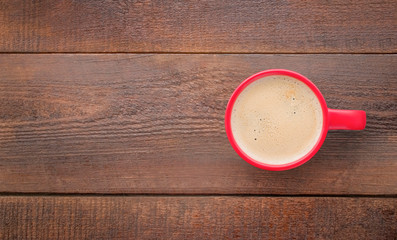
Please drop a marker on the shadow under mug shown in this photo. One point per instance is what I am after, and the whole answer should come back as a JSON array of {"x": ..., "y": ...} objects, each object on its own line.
[{"x": 333, "y": 119}]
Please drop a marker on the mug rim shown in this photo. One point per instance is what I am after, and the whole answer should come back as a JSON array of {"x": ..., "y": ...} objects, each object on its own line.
[{"x": 285, "y": 166}]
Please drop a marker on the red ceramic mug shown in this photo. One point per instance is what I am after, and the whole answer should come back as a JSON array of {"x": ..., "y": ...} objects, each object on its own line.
[{"x": 332, "y": 120}]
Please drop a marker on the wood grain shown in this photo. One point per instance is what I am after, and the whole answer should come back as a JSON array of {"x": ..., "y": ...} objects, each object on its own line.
[
  {"x": 310, "y": 26},
  {"x": 130, "y": 123},
  {"x": 197, "y": 218}
]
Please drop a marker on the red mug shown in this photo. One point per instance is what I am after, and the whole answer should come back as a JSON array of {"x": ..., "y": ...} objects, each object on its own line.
[{"x": 333, "y": 119}]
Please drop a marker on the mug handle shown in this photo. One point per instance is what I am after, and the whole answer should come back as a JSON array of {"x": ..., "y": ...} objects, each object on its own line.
[{"x": 346, "y": 119}]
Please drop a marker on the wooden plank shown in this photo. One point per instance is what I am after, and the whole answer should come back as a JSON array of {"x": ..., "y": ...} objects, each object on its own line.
[
  {"x": 130, "y": 123},
  {"x": 197, "y": 218},
  {"x": 311, "y": 26}
]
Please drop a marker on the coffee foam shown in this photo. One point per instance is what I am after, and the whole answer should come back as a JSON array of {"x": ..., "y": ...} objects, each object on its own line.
[{"x": 276, "y": 119}]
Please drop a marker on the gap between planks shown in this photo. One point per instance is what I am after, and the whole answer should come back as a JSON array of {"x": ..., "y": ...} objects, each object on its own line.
[{"x": 48, "y": 194}]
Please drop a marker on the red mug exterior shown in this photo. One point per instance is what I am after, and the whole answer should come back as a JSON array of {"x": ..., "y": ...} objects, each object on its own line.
[{"x": 332, "y": 120}]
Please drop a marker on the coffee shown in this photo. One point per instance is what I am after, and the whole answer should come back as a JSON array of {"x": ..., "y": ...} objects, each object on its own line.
[{"x": 276, "y": 119}]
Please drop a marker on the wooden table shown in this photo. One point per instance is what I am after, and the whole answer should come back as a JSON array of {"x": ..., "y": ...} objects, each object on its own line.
[{"x": 111, "y": 119}]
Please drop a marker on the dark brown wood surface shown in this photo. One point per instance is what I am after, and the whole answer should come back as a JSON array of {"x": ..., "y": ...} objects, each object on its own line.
[
  {"x": 310, "y": 26},
  {"x": 127, "y": 99},
  {"x": 197, "y": 218},
  {"x": 155, "y": 124}
]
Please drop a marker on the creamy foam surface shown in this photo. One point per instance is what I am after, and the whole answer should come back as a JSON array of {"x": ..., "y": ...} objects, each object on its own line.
[{"x": 276, "y": 119}]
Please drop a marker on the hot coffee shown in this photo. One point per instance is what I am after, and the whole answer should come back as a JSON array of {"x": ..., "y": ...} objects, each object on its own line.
[{"x": 276, "y": 119}]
